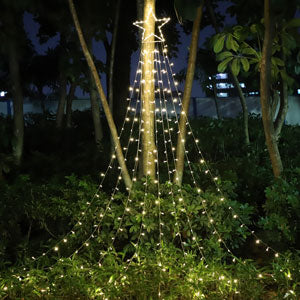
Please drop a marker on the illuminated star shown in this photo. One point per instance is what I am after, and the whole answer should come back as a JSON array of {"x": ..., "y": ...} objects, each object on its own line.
[{"x": 157, "y": 38}]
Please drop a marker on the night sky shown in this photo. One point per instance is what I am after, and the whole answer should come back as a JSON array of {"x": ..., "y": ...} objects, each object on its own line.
[{"x": 180, "y": 62}]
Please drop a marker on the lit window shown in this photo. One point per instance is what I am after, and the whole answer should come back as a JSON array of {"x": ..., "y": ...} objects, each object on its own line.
[
  {"x": 2, "y": 93},
  {"x": 242, "y": 85},
  {"x": 222, "y": 95},
  {"x": 298, "y": 91},
  {"x": 222, "y": 85},
  {"x": 222, "y": 76}
]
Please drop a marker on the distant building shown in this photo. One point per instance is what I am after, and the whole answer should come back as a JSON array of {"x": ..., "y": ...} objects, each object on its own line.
[{"x": 225, "y": 87}]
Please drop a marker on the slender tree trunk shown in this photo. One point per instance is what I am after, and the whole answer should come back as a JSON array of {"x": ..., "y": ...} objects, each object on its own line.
[
  {"x": 95, "y": 105},
  {"x": 216, "y": 98},
  {"x": 244, "y": 108},
  {"x": 62, "y": 100},
  {"x": 235, "y": 79},
  {"x": 283, "y": 108},
  {"x": 111, "y": 124},
  {"x": 180, "y": 150},
  {"x": 17, "y": 102},
  {"x": 148, "y": 97},
  {"x": 69, "y": 104},
  {"x": 274, "y": 101},
  {"x": 42, "y": 99},
  {"x": 122, "y": 61},
  {"x": 112, "y": 62},
  {"x": 140, "y": 9},
  {"x": 265, "y": 82}
]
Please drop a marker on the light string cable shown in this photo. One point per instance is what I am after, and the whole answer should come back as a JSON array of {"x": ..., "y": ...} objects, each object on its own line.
[
  {"x": 130, "y": 141},
  {"x": 72, "y": 232},
  {"x": 127, "y": 208},
  {"x": 220, "y": 276},
  {"x": 158, "y": 200},
  {"x": 162, "y": 109},
  {"x": 181, "y": 200},
  {"x": 214, "y": 179},
  {"x": 167, "y": 64}
]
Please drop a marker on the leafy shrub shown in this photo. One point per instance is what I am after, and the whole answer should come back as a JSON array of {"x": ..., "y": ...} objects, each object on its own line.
[{"x": 282, "y": 209}]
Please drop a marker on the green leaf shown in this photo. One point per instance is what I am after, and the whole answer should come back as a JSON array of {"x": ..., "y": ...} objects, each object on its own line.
[
  {"x": 234, "y": 45},
  {"x": 223, "y": 65},
  {"x": 229, "y": 42},
  {"x": 223, "y": 55},
  {"x": 235, "y": 66},
  {"x": 219, "y": 44},
  {"x": 246, "y": 49},
  {"x": 297, "y": 69},
  {"x": 245, "y": 64},
  {"x": 238, "y": 31},
  {"x": 253, "y": 28},
  {"x": 292, "y": 23},
  {"x": 277, "y": 61}
]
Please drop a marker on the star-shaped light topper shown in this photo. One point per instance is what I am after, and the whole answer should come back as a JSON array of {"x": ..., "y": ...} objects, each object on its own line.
[{"x": 157, "y": 38}]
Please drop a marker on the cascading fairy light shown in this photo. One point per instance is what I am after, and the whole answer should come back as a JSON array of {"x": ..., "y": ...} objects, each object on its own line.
[
  {"x": 161, "y": 114},
  {"x": 164, "y": 111},
  {"x": 214, "y": 178},
  {"x": 180, "y": 199},
  {"x": 72, "y": 232}
]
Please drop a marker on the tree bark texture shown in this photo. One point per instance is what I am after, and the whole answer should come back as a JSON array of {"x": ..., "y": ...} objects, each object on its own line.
[
  {"x": 125, "y": 45},
  {"x": 69, "y": 104},
  {"x": 216, "y": 98},
  {"x": 112, "y": 62},
  {"x": 14, "y": 71},
  {"x": 244, "y": 108},
  {"x": 62, "y": 100},
  {"x": 148, "y": 97},
  {"x": 180, "y": 150},
  {"x": 283, "y": 106},
  {"x": 283, "y": 109},
  {"x": 265, "y": 83},
  {"x": 235, "y": 79},
  {"x": 111, "y": 124},
  {"x": 95, "y": 105}
]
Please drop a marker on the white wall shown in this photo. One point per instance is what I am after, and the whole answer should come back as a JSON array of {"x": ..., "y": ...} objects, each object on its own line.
[{"x": 229, "y": 107}]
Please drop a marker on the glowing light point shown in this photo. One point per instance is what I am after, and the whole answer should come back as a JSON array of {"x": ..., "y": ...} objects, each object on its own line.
[{"x": 162, "y": 22}]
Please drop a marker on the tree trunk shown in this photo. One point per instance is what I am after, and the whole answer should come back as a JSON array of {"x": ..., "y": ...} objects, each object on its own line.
[
  {"x": 265, "y": 82},
  {"x": 235, "y": 79},
  {"x": 69, "y": 104},
  {"x": 62, "y": 100},
  {"x": 17, "y": 102},
  {"x": 111, "y": 124},
  {"x": 216, "y": 98},
  {"x": 148, "y": 97},
  {"x": 111, "y": 63},
  {"x": 140, "y": 9},
  {"x": 244, "y": 108},
  {"x": 95, "y": 107},
  {"x": 180, "y": 150},
  {"x": 283, "y": 108},
  {"x": 274, "y": 101},
  {"x": 125, "y": 42}
]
